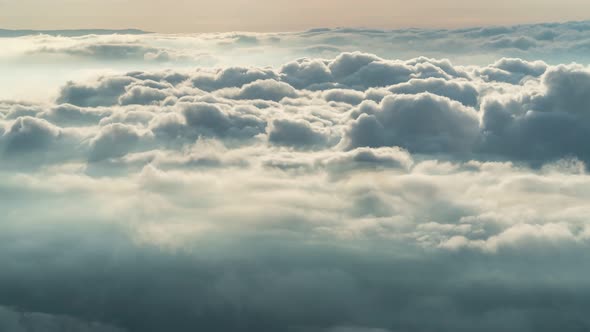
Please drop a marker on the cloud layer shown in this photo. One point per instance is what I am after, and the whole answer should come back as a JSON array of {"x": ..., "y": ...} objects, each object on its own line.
[{"x": 341, "y": 193}]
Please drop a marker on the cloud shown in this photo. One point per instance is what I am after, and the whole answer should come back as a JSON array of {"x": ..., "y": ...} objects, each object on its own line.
[
  {"x": 461, "y": 91},
  {"x": 524, "y": 236},
  {"x": 28, "y": 134},
  {"x": 263, "y": 89},
  {"x": 522, "y": 43},
  {"x": 368, "y": 159},
  {"x": 68, "y": 33},
  {"x": 343, "y": 95},
  {"x": 364, "y": 70},
  {"x": 230, "y": 77},
  {"x": 298, "y": 134},
  {"x": 210, "y": 120},
  {"x": 550, "y": 123},
  {"x": 69, "y": 115},
  {"x": 243, "y": 258},
  {"x": 536, "y": 68},
  {"x": 422, "y": 123},
  {"x": 565, "y": 90},
  {"x": 114, "y": 140},
  {"x": 142, "y": 95},
  {"x": 563, "y": 43},
  {"x": 501, "y": 111},
  {"x": 305, "y": 73},
  {"x": 512, "y": 70},
  {"x": 11, "y": 320},
  {"x": 314, "y": 195},
  {"x": 105, "y": 92},
  {"x": 113, "y": 51}
]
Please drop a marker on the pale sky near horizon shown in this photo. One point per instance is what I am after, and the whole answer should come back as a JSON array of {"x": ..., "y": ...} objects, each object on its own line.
[{"x": 281, "y": 15}]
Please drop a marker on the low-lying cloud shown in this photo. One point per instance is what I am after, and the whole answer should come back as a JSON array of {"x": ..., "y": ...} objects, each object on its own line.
[{"x": 339, "y": 192}]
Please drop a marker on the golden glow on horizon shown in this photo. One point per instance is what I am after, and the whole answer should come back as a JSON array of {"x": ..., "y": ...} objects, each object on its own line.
[{"x": 280, "y": 15}]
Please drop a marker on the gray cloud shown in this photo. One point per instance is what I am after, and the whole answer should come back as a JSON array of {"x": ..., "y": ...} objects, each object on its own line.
[
  {"x": 105, "y": 92},
  {"x": 306, "y": 73},
  {"x": 368, "y": 158},
  {"x": 512, "y": 70},
  {"x": 566, "y": 91},
  {"x": 113, "y": 51},
  {"x": 435, "y": 109},
  {"x": 114, "y": 140},
  {"x": 462, "y": 91},
  {"x": 69, "y": 115},
  {"x": 298, "y": 134},
  {"x": 307, "y": 288},
  {"x": 423, "y": 123},
  {"x": 15, "y": 321},
  {"x": 210, "y": 120},
  {"x": 343, "y": 95},
  {"x": 544, "y": 125},
  {"x": 264, "y": 89},
  {"x": 231, "y": 77},
  {"x": 142, "y": 95},
  {"x": 521, "y": 43},
  {"x": 28, "y": 134}
]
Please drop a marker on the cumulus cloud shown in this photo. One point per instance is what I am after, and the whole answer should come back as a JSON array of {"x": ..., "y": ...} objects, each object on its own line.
[
  {"x": 30, "y": 142},
  {"x": 263, "y": 89},
  {"x": 105, "y": 92},
  {"x": 343, "y": 95},
  {"x": 299, "y": 134},
  {"x": 114, "y": 140},
  {"x": 422, "y": 123},
  {"x": 210, "y": 120},
  {"x": 66, "y": 115},
  {"x": 306, "y": 73},
  {"x": 512, "y": 70},
  {"x": 142, "y": 95},
  {"x": 510, "y": 110},
  {"x": 565, "y": 90},
  {"x": 230, "y": 77},
  {"x": 369, "y": 158},
  {"x": 539, "y": 125},
  {"x": 462, "y": 91}
]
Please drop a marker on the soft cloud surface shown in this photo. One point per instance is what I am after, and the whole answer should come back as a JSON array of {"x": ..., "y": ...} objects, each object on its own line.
[{"x": 330, "y": 180}]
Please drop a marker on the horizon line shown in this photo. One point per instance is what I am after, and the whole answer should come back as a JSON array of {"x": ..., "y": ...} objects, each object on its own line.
[{"x": 310, "y": 29}]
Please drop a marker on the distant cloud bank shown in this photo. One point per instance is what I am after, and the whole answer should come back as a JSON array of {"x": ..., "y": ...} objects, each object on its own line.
[{"x": 68, "y": 33}]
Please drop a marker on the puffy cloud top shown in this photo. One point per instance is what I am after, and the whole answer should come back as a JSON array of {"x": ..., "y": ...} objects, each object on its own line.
[
  {"x": 27, "y": 134},
  {"x": 422, "y": 123}
]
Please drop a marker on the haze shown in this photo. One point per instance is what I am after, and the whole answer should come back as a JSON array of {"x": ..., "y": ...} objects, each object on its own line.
[{"x": 280, "y": 15}]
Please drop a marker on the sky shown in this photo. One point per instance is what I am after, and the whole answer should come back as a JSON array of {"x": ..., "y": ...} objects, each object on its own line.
[{"x": 280, "y": 15}]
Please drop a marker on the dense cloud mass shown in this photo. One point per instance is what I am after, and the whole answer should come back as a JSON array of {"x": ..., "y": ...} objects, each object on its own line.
[
  {"x": 335, "y": 192},
  {"x": 14, "y": 321}
]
